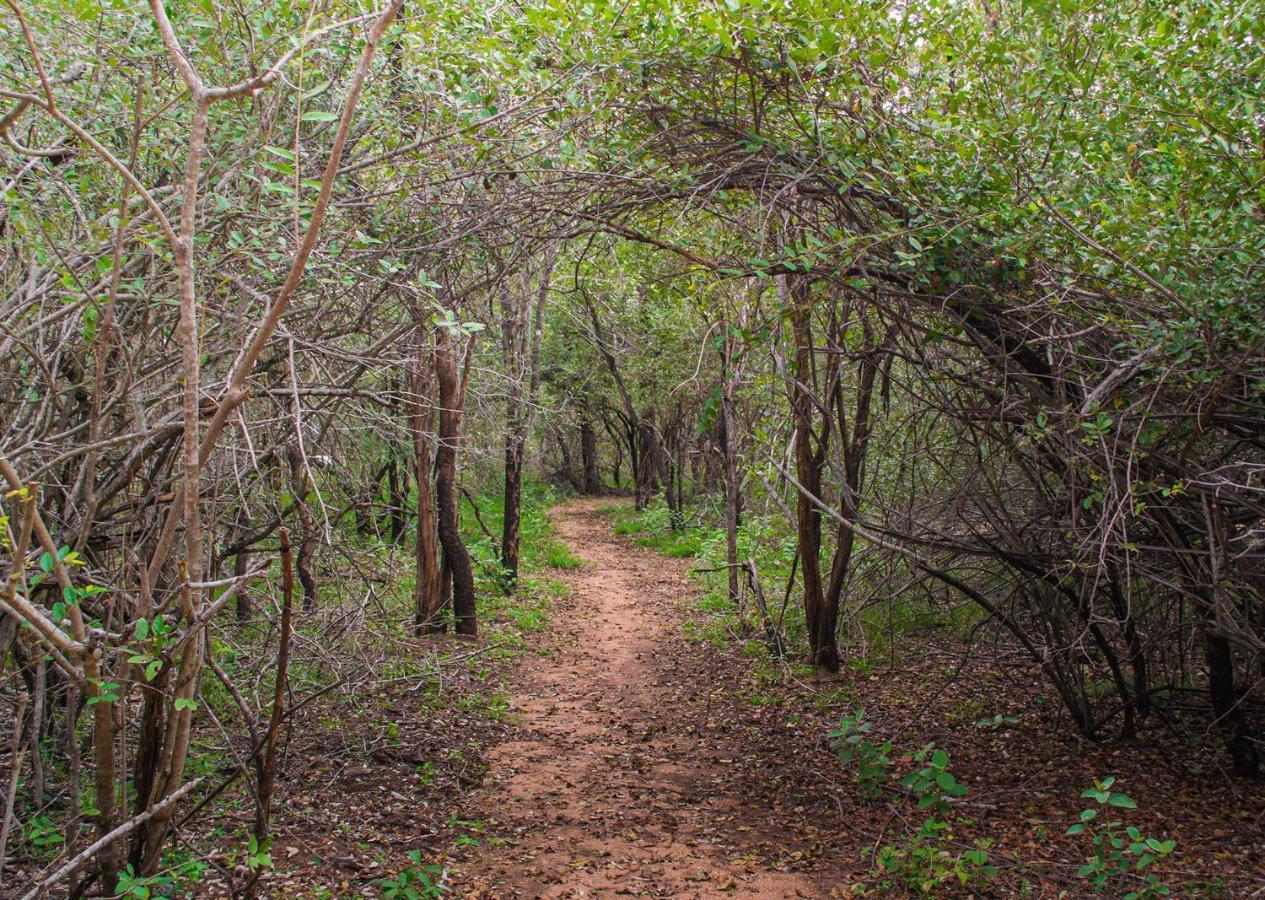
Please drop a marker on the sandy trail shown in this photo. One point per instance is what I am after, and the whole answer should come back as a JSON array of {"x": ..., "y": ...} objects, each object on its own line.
[{"x": 614, "y": 782}]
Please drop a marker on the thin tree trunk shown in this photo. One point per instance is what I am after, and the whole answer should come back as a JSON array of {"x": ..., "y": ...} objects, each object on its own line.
[
  {"x": 730, "y": 453},
  {"x": 588, "y": 453},
  {"x": 266, "y": 758},
  {"x": 824, "y": 652},
  {"x": 514, "y": 314},
  {"x": 568, "y": 466},
  {"x": 1227, "y": 706},
  {"x": 456, "y": 557},
  {"x": 426, "y": 584},
  {"x": 647, "y": 463},
  {"x": 241, "y": 565},
  {"x": 300, "y": 480},
  {"x": 512, "y": 506},
  {"x": 397, "y": 488}
]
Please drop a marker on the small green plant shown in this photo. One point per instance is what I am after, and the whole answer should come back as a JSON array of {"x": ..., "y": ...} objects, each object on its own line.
[
  {"x": 44, "y": 836},
  {"x": 1121, "y": 859},
  {"x": 997, "y": 722},
  {"x": 931, "y": 782},
  {"x": 179, "y": 875},
  {"x": 257, "y": 855},
  {"x": 415, "y": 881},
  {"x": 872, "y": 760},
  {"x": 139, "y": 887},
  {"x": 928, "y": 860},
  {"x": 559, "y": 556},
  {"x": 925, "y": 861}
]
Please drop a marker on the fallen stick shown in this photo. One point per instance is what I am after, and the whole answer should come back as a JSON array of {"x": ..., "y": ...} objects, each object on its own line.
[{"x": 109, "y": 838}]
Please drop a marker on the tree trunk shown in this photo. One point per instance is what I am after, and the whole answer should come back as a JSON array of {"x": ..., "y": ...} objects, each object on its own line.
[
  {"x": 426, "y": 582},
  {"x": 301, "y": 484},
  {"x": 522, "y": 370},
  {"x": 824, "y": 651},
  {"x": 513, "y": 498},
  {"x": 398, "y": 483},
  {"x": 241, "y": 565},
  {"x": 456, "y": 557},
  {"x": 588, "y": 452},
  {"x": 854, "y": 440},
  {"x": 646, "y": 463},
  {"x": 1226, "y": 705},
  {"x": 730, "y": 453},
  {"x": 568, "y": 467}
]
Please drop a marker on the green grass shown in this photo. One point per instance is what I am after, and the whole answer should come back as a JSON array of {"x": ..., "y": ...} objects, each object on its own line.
[
  {"x": 559, "y": 556},
  {"x": 678, "y": 545},
  {"x": 769, "y": 540},
  {"x": 653, "y": 528}
]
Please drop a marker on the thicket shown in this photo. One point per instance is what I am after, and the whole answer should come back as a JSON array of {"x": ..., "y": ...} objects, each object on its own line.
[{"x": 941, "y": 302}]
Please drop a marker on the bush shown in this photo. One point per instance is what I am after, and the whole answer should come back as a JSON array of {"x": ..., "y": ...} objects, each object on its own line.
[
  {"x": 1119, "y": 860},
  {"x": 872, "y": 760}
]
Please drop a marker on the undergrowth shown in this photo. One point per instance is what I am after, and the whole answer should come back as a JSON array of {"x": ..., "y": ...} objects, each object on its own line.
[{"x": 366, "y": 581}]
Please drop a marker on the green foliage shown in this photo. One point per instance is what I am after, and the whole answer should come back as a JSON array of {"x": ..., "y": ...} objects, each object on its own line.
[
  {"x": 1120, "y": 859},
  {"x": 179, "y": 876},
  {"x": 932, "y": 783},
  {"x": 654, "y": 529},
  {"x": 997, "y": 722},
  {"x": 258, "y": 855},
  {"x": 872, "y": 760},
  {"x": 43, "y": 836},
  {"x": 559, "y": 556},
  {"x": 149, "y": 642},
  {"x": 416, "y": 881},
  {"x": 929, "y": 860}
]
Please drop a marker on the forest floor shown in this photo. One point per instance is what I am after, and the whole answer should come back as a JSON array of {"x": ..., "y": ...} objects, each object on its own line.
[
  {"x": 650, "y": 756},
  {"x": 619, "y": 731},
  {"x": 622, "y": 778}
]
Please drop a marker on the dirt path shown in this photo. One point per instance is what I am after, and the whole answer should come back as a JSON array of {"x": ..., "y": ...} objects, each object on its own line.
[{"x": 617, "y": 781}]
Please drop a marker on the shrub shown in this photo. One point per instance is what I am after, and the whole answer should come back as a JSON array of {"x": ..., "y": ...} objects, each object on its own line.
[
  {"x": 1120, "y": 859},
  {"x": 872, "y": 760},
  {"x": 929, "y": 859}
]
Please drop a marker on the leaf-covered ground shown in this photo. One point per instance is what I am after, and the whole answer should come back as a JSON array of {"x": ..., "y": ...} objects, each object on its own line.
[
  {"x": 645, "y": 745},
  {"x": 647, "y": 759}
]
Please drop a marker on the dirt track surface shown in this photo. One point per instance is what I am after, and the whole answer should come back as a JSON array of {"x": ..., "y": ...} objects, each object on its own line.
[{"x": 617, "y": 781}]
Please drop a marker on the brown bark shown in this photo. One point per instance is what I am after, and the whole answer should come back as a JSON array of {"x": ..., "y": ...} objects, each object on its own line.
[
  {"x": 730, "y": 452},
  {"x": 241, "y": 564},
  {"x": 456, "y": 557},
  {"x": 645, "y": 462},
  {"x": 266, "y": 758},
  {"x": 426, "y": 584},
  {"x": 300, "y": 480},
  {"x": 514, "y": 351},
  {"x": 568, "y": 465},
  {"x": 522, "y": 361},
  {"x": 588, "y": 455},
  {"x": 809, "y": 456}
]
